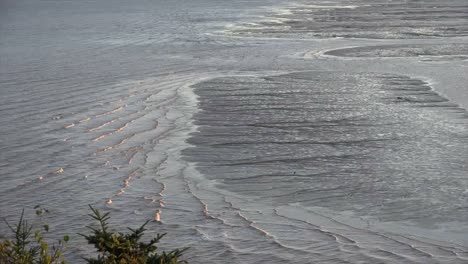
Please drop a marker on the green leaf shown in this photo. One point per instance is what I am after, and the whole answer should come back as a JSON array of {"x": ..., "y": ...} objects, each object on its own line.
[
  {"x": 44, "y": 246},
  {"x": 46, "y": 227},
  {"x": 66, "y": 238}
]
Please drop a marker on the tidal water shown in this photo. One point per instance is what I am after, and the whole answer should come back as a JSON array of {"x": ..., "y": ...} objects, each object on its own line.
[{"x": 262, "y": 131}]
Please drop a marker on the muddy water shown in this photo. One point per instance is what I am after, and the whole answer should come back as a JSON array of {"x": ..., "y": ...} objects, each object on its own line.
[{"x": 256, "y": 132}]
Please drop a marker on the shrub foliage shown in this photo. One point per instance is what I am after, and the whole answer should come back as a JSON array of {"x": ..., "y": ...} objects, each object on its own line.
[
  {"x": 26, "y": 250},
  {"x": 116, "y": 247},
  {"x": 112, "y": 247}
]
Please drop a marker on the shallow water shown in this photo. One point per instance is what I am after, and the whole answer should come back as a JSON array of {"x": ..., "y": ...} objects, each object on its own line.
[{"x": 258, "y": 131}]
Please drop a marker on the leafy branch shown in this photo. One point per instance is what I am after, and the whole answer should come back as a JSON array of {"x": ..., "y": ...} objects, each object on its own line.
[{"x": 117, "y": 247}]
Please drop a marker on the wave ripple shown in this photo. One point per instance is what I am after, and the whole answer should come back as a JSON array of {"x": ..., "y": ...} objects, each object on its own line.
[{"x": 379, "y": 147}]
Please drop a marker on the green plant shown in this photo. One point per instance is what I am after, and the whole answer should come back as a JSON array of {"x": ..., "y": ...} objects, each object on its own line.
[
  {"x": 120, "y": 248},
  {"x": 23, "y": 250},
  {"x": 112, "y": 247}
]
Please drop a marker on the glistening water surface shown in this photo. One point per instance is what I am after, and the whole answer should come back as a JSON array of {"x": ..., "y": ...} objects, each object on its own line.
[{"x": 259, "y": 131}]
